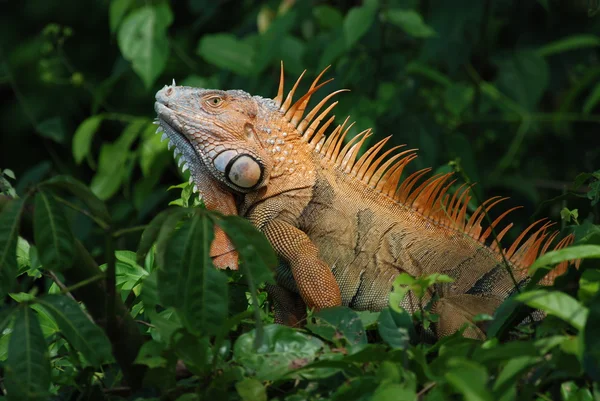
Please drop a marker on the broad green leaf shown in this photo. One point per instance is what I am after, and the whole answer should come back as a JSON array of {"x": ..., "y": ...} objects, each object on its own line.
[
  {"x": 189, "y": 282},
  {"x": 143, "y": 40},
  {"x": 469, "y": 379},
  {"x": 194, "y": 351},
  {"x": 54, "y": 129},
  {"x": 165, "y": 324},
  {"x": 569, "y": 43},
  {"x": 357, "y": 23},
  {"x": 52, "y": 234},
  {"x": 83, "y": 334},
  {"x": 411, "y": 22},
  {"x": 591, "y": 340},
  {"x": 151, "y": 150},
  {"x": 166, "y": 230},
  {"x": 257, "y": 257},
  {"x": 152, "y": 230},
  {"x": 9, "y": 173},
  {"x": 251, "y": 390},
  {"x": 6, "y": 317},
  {"x": 505, "y": 384},
  {"x": 82, "y": 139},
  {"x": 82, "y": 192},
  {"x": 394, "y": 392},
  {"x": 557, "y": 304},
  {"x": 589, "y": 285},
  {"x": 524, "y": 77},
  {"x": 226, "y": 51},
  {"x": 28, "y": 367},
  {"x": 328, "y": 16},
  {"x": 339, "y": 323},
  {"x": 9, "y": 234},
  {"x": 112, "y": 162},
  {"x": 396, "y": 328},
  {"x": 150, "y": 354},
  {"x": 116, "y": 12},
  {"x": 128, "y": 272},
  {"x": 270, "y": 43},
  {"x": 283, "y": 350},
  {"x": 592, "y": 100},
  {"x": 253, "y": 247},
  {"x": 149, "y": 293},
  {"x": 570, "y": 253}
]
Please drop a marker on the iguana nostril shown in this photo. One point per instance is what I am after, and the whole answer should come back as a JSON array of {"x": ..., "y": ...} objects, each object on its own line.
[{"x": 169, "y": 91}]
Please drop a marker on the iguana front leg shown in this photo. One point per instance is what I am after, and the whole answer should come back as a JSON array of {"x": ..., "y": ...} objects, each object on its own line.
[{"x": 315, "y": 281}]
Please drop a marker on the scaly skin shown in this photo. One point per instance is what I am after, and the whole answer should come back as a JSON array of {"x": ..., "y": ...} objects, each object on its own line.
[{"x": 343, "y": 228}]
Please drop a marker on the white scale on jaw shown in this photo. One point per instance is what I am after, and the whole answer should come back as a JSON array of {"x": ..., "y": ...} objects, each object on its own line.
[{"x": 182, "y": 163}]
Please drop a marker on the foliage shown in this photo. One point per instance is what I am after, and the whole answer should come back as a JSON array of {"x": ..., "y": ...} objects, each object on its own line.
[{"x": 506, "y": 93}]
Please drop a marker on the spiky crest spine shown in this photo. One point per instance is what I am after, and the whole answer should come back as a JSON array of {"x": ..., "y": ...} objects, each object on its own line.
[{"x": 430, "y": 197}]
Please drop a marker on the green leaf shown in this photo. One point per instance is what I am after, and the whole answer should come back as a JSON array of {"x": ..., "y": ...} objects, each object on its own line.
[
  {"x": 251, "y": 390},
  {"x": 112, "y": 162},
  {"x": 189, "y": 282},
  {"x": 394, "y": 392},
  {"x": 82, "y": 139},
  {"x": 328, "y": 16},
  {"x": 150, "y": 354},
  {"x": 591, "y": 340},
  {"x": 116, "y": 12},
  {"x": 589, "y": 285},
  {"x": 52, "y": 234},
  {"x": 28, "y": 366},
  {"x": 339, "y": 323},
  {"x": 226, "y": 51},
  {"x": 10, "y": 218},
  {"x": 83, "y": 334},
  {"x": 54, "y": 129},
  {"x": 569, "y": 43},
  {"x": 152, "y": 150},
  {"x": 253, "y": 247},
  {"x": 149, "y": 294},
  {"x": 128, "y": 272},
  {"x": 194, "y": 351},
  {"x": 592, "y": 100},
  {"x": 82, "y": 192},
  {"x": 557, "y": 304},
  {"x": 9, "y": 173},
  {"x": 396, "y": 328},
  {"x": 571, "y": 253},
  {"x": 283, "y": 350},
  {"x": 257, "y": 257},
  {"x": 357, "y": 24},
  {"x": 411, "y": 22},
  {"x": 152, "y": 230},
  {"x": 512, "y": 372},
  {"x": 143, "y": 40},
  {"x": 524, "y": 77},
  {"x": 468, "y": 378}
]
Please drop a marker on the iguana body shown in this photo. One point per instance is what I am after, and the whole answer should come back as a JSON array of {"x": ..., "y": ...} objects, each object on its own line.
[{"x": 343, "y": 226}]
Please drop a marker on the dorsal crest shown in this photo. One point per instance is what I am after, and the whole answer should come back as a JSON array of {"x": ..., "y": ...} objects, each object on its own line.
[{"x": 383, "y": 171}]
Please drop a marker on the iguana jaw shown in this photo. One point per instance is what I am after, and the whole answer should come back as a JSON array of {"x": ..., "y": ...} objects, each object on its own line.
[{"x": 215, "y": 197}]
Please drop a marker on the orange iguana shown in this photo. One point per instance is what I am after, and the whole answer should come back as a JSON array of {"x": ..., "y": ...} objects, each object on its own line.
[{"x": 343, "y": 226}]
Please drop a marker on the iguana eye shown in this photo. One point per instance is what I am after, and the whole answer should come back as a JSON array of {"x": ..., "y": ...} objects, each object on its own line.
[{"x": 214, "y": 101}]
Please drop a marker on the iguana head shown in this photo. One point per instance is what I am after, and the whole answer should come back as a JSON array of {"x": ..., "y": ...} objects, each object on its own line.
[{"x": 216, "y": 129}]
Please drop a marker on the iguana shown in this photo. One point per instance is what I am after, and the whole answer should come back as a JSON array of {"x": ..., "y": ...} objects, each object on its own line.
[{"x": 343, "y": 225}]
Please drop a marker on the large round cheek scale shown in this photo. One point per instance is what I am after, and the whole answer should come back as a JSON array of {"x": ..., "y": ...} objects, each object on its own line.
[{"x": 245, "y": 172}]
